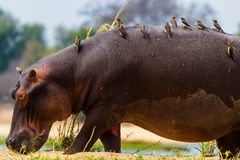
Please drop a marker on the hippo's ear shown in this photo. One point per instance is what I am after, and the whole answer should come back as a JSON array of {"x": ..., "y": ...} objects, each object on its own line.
[
  {"x": 32, "y": 74},
  {"x": 18, "y": 69}
]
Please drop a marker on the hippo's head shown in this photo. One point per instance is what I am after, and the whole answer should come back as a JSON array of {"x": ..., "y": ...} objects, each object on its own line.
[{"x": 39, "y": 101}]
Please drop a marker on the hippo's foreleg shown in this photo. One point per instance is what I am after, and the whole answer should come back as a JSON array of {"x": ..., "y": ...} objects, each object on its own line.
[
  {"x": 98, "y": 121},
  {"x": 111, "y": 139},
  {"x": 229, "y": 143}
]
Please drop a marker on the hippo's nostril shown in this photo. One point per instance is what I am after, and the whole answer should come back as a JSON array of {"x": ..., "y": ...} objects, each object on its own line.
[{"x": 11, "y": 140}]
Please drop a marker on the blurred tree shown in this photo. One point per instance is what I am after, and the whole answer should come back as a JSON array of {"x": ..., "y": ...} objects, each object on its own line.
[
  {"x": 65, "y": 37},
  {"x": 32, "y": 43},
  {"x": 33, "y": 32},
  {"x": 14, "y": 39},
  {"x": 9, "y": 36},
  {"x": 33, "y": 51},
  {"x": 154, "y": 12}
]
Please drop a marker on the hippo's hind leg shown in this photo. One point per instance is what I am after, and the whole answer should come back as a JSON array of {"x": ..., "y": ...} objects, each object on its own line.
[
  {"x": 229, "y": 143},
  {"x": 111, "y": 139}
]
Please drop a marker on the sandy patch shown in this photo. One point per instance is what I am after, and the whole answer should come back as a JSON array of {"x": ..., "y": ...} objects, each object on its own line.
[
  {"x": 4, "y": 129},
  {"x": 92, "y": 156},
  {"x": 5, "y": 113}
]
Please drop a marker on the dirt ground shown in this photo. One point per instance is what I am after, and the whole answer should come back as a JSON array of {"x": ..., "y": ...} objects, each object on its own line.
[{"x": 8, "y": 155}]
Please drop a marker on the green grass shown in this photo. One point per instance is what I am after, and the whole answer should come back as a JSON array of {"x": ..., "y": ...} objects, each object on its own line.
[
  {"x": 132, "y": 145},
  {"x": 41, "y": 157},
  {"x": 150, "y": 146},
  {"x": 2, "y": 140},
  {"x": 140, "y": 145},
  {"x": 95, "y": 158}
]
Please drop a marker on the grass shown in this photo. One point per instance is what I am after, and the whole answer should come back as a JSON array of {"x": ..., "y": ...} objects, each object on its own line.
[
  {"x": 126, "y": 145},
  {"x": 207, "y": 149},
  {"x": 97, "y": 156},
  {"x": 138, "y": 145},
  {"x": 54, "y": 144},
  {"x": 43, "y": 157},
  {"x": 2, "y": 140}
]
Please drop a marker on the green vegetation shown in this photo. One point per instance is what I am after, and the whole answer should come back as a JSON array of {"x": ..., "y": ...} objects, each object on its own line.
[
  {"x": 32, "y": 47},
  {"x": 14, "y": 38},
  {"x": 55, "y": 145},
  {"x": 27, "y": 41},
  {"x": 65, "y": 37},
  {"x": 207, "y": 149},
  {"x": 2, "y": 140},
  {"x": 94, "y": 158},
  {"x": 9, "y": 34},
  {"x": 43, "y": 157},
  {"x": 66, "y": 133},
  {"x": 139, "y": 158},
  {"x": 136, "y": 146},
  {"x": 139, "y": 145}
]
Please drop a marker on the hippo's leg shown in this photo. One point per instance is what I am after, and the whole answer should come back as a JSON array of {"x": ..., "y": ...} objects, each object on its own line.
[
  {"x": 98, "y": 120},
  {"x": 229, "y": 142},
  {"x": 111, "y": 139}
]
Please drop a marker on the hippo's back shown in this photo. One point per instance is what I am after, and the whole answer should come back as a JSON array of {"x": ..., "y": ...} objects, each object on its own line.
[{"x": 137, "y": 68}]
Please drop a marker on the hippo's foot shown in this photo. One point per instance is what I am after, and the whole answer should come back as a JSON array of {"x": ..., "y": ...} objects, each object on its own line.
[
  {"x": 229, "y": 145},
  {"x": 111, "y": 139}
]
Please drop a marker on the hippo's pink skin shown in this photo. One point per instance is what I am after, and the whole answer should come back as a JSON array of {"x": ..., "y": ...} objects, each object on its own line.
[{"x": 184, "y": 87}]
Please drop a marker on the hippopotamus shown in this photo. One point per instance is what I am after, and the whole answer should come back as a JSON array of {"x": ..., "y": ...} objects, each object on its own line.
[{"x": 183, "y": 86}]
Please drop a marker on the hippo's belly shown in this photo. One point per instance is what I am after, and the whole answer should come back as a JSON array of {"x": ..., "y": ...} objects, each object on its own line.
[{"x": 198, "y": 117}]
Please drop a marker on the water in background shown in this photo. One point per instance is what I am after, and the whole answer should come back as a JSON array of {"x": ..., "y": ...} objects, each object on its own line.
[{"x": 191, "y": 150}]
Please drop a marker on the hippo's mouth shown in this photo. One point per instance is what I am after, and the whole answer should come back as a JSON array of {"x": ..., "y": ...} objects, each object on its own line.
[
  {"x": 38, "y": 141},
  {"x": 25, "y": 143}
]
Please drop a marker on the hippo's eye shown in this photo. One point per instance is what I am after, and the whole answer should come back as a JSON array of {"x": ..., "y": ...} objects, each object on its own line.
[{"x": 22, "y": 97}]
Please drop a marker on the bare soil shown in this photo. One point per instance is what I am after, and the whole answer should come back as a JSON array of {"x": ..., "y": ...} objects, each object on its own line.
[{"x": 93, "y": 156}]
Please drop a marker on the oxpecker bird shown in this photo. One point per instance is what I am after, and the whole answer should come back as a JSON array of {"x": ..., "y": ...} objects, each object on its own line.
[
  {"x": 144, "y": 32},
  {"x": 122, "y": 32},
  {"x": 185, "y": 22},
  {"x": 77, "y": 42},
  {"x": 168, "y": 29},
  {"x": 217, "y": 26},
  {"x": 174, "y": 22},
  {"x": 119, "y": 24},
  {"x": 200, "y": 25}
]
